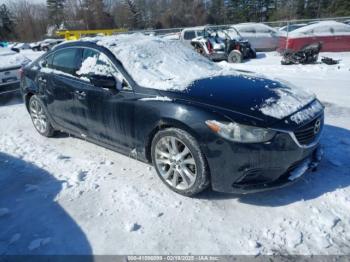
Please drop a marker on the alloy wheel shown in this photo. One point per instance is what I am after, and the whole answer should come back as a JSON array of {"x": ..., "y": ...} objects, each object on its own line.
[
  {"x": 38, "y": 116},
  {"x": 175, "y": 163}
]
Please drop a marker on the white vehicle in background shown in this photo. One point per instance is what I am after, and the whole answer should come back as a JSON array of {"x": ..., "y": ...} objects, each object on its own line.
[
  {"x": 10, "y": 63},
  {"x": 48, "y": 44},
  {"x": 262, "y": 37},
  {"x": 188, "y": 34},
  {"x": 20, "y": 46}
]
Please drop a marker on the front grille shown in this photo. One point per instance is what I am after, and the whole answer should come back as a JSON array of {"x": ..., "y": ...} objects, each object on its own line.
[{"x": 306, "y": 134}]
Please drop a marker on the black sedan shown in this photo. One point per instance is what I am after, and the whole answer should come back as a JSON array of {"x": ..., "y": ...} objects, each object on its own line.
[{"x": 163, "y": 104}]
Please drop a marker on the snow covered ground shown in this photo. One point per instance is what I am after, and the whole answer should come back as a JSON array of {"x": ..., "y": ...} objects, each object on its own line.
[{"x": 67, "y": 196}]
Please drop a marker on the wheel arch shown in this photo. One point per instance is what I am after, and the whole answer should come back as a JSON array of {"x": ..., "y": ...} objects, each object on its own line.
[
  {"x": 164, "y": 124},
  {"x": 27, "y": 97}
]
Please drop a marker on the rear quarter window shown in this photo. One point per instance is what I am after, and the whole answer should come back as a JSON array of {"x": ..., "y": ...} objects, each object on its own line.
[{"x": 189, "y": 35}]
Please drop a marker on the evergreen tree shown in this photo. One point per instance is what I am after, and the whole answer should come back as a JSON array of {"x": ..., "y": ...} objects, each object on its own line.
[
  {"x": 135, "y": 12},
  {"x": 56, "y": 11},
  {"x": 6, "y": 23}
]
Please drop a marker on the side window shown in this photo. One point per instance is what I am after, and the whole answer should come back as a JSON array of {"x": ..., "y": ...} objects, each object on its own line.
[
  {"x": 46, "y": 62},
  {"x": 250, "y": 30},
  {"x": 98, "y": 64},
  {"x": 189, "y": 35},
  {"x": 66, "y": 61}
]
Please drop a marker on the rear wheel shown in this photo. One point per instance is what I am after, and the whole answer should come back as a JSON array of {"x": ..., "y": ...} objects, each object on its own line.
[
  {"x": 39, "y": 117},
  {"x": 235, "y": 57},
  {"x": 179, "y": 162}
]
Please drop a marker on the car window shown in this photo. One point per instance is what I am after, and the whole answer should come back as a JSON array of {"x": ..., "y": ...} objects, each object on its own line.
[
  {"x": 341, "y": 29},
  {"x": 97, "y": 63},
  {"x": 66, "y": 60},
  {"x": 322, "y": 30},
  {"x": 247, "y": 30},
  {"x": 46, "y": 62},
  {"x": 199, "y": 33},
  {"x": 189, "y": 35}
]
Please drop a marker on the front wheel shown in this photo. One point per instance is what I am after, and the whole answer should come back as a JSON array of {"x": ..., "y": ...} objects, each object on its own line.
[
  {"x": 39, "y": 117},
  {"x": 179, "y": 162}
]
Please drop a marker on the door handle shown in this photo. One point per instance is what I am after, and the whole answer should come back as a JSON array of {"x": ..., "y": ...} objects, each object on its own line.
[{"x": 80, "y": 94}]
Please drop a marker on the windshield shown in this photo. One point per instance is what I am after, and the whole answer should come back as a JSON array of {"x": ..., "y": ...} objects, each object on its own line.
[{"x": 159, "y": 63}]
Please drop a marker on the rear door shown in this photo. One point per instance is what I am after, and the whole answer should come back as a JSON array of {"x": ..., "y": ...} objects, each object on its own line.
[{"x": 61, "y": 85}]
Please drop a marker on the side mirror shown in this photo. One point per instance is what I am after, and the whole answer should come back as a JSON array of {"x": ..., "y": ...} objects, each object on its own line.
[{"x": 108, "y": 82}]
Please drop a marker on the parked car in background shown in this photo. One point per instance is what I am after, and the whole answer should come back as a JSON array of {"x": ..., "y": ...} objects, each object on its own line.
[
  {"x": 188, "y": 34},
  {"x": 36, "y": 46},
  {"x": 20, "y": 46},
  {"x": 3, "y": 44},
  {"x": 10, "y": 65},
  {"x": 347, "y": 22},
  {"x": 165, "y": 104},
  {"x": 334, "y": 37},
  {"x": 48, "y": 44},
  {"x": 262, "y": 37},
  {"x": 289, "y": 28}
]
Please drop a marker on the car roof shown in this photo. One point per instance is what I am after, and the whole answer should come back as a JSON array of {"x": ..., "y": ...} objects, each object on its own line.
[
  {"x": 319, "y": 24},
  {"x": 194, "y": 28}
]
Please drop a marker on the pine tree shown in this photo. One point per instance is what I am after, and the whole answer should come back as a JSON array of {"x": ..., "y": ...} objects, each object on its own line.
[
  {"x": 6, "y": 25},
  {"x": 56, "y": 11},
  {"x": 136, "y": 14}
]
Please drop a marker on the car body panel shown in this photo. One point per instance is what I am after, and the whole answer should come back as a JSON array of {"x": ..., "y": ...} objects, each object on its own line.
[
  {"x": 260, "y": 36},
  {"x": 334, "y": 36},
  {"x": 127, "y": 120}
]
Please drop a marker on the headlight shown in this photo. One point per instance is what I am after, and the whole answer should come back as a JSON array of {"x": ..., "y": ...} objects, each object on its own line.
[{"x": 240, "y": 133}]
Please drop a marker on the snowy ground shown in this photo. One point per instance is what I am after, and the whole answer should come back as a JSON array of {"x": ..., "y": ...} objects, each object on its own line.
[{"x": 67, "y": 196}]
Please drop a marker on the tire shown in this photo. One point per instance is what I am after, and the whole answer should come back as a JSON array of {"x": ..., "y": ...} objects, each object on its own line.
[
  {"x": 252, "y": 53},
  {"x": 193, "y": 162},
  {"x": 39, "y": 117},
  {"x": 235, "y": 57}
]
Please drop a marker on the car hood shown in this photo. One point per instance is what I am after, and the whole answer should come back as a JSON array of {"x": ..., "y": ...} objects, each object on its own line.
[{"x": 261, "y": 99}]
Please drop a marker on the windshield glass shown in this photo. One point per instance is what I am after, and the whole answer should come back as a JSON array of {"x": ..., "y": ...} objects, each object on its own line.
[{"x": 159, "y": 63}]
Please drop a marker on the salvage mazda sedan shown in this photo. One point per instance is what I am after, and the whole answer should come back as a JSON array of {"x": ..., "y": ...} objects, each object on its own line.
[{"x": 154, "y": 99}]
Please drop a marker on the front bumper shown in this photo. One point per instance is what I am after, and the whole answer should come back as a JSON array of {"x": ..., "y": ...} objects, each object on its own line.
[
  {"x": 294, "y": 174},
  {"x": 248, "y": 168}
]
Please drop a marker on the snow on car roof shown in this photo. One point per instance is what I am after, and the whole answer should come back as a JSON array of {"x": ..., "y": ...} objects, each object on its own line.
[
  {"x": 324, "y": 24},
  {"x": 159, "y": 63},
  {"x": 254, "y": 26},
  {"x": 11, "y": 59}
]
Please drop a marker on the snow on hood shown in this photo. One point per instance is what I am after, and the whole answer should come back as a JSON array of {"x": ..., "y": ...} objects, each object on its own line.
[
  {"x": 307, "y": 113},
  {"x": 159, "y": 63},
  {"x": 10, "y": 59},
  {"x": 290, "y": 100}
]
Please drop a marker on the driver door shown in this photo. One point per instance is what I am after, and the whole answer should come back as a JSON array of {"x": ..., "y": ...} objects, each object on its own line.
[{"x": 106, "y": 112}]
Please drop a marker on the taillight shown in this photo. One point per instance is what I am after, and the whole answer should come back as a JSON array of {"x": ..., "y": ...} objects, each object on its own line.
[
  {"x": 210, "y": 47},
  {"x": 21, "y": 73}
]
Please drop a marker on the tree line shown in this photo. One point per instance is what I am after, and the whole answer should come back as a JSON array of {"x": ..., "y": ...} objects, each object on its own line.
[{"x": 26, "y": 21}]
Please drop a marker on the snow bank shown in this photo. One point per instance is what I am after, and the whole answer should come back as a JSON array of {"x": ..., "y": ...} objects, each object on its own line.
[{"x": 159, "y": 63}]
